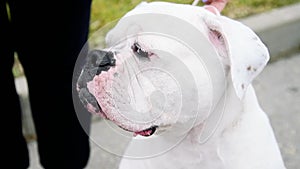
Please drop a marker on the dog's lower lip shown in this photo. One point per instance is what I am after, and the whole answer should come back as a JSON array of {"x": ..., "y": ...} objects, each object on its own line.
[
  {"x": 102, "y": 114},
  {"x": 147, "y": 132}
]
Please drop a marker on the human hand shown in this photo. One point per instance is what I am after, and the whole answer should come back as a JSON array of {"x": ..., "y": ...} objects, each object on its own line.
[{"x": 212, "y": 5}]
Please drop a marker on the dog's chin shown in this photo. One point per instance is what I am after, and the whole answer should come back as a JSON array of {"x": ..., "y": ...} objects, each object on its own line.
[{"x": 144, "y": 132}]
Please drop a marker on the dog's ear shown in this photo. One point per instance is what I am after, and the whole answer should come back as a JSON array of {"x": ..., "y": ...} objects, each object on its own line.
[{"x": 239, "y": 48}]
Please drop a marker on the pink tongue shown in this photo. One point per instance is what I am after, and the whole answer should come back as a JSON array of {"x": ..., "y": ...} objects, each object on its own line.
[{"x": 144, "y": 133}]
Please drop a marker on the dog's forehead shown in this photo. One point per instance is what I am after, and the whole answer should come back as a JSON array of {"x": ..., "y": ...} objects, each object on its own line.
[
  {"x": 178, "y": 21},
  {"x": 156, "y": 16}
]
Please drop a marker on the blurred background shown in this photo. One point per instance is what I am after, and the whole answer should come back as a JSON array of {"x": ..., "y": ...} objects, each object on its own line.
[{"x": 278, "y": 86}]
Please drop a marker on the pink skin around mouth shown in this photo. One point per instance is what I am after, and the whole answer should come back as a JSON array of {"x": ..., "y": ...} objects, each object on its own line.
[
  {"x": 143, "y": 133},
  {"x": 98, "y": 87},
  {"x": 105, "y": 111}
]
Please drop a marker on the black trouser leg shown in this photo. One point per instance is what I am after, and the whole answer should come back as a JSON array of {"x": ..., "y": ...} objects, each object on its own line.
[{"x": 50, "y": 37}]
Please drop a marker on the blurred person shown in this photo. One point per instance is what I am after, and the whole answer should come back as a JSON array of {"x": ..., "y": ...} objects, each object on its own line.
[{"x": 47, "y": 36}]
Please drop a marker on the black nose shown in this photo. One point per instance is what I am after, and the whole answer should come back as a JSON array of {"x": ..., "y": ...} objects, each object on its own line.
[
  {"x": 102, "y": 60},
  {"x": 96, "y": 62}
]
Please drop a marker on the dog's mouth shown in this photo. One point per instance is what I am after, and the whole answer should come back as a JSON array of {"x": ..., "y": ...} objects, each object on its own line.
[{"x": 147, "y": 132}]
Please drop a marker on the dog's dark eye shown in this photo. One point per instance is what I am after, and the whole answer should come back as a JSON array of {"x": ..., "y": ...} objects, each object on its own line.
[{"x": 136, "y": 48}]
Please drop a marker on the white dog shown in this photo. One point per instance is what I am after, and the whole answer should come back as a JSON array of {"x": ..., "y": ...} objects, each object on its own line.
[{"x": 179, "y": 78}]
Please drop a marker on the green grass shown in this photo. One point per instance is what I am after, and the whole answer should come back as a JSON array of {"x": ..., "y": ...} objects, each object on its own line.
[
  {"x": 104, "y": 11},
  {"x": 244, "y": 8}
]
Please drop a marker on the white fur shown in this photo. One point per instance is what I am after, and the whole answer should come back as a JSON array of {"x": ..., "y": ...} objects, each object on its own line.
[{"x": 243, "y": 138}]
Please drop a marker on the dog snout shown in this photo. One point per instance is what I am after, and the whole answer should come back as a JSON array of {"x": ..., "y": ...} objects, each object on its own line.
[
  {"x": 101, "y": 60},
  {"x": 97, "y": 61}
]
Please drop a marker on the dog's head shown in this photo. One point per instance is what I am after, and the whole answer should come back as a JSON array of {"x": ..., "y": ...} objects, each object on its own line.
[{"x": 165, "y": 64}]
